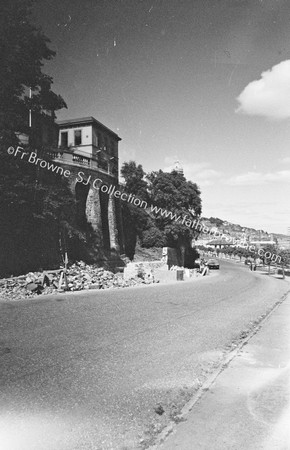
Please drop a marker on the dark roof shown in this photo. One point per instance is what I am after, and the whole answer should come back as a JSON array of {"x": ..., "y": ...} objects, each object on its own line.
[{"x": 85, "y": 121}]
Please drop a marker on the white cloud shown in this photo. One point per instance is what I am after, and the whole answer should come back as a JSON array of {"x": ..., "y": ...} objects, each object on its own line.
[
  {"x": 199, "y": 173},
  {"x": 282, "y": 176},
  {"x": 270, "y": 95},
  {"x": 258, "y": 178},
  {"x": 246, "y": 179},
  {"x": 285, "y": 160}
]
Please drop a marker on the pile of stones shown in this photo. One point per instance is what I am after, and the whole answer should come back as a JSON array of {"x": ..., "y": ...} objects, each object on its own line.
[{"x": 79, "y": 276}]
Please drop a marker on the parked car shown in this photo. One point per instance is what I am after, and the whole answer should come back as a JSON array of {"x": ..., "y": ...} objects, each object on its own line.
[{"x": 213, "y": 264}]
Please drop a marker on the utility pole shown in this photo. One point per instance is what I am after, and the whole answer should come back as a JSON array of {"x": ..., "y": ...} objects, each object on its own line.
[{"x": 30, "y": 118}]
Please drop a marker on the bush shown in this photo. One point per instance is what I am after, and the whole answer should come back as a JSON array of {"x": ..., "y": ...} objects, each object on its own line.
[
  {"x": 152, "y": 237},
  {"x": 190, "y": 256}
]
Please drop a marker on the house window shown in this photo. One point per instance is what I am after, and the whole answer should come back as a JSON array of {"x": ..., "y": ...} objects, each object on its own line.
[
  {"x": 64, "y": 139},
  {"x": 95, "y": 138},
  {"x": 78, "y": 137}
]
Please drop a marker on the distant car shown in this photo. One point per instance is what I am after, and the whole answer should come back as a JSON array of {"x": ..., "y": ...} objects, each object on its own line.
[{"x": 213, "y": 264}]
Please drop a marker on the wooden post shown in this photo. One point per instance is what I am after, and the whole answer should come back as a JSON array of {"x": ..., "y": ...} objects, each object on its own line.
[
  {"x": 63, "y": 277},
  {"x": 65, "y": 270},
  {"x": 60, "y": 280}
]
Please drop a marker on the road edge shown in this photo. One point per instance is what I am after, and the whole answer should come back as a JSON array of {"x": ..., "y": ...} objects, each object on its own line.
[{"x": 258, "y": 324}]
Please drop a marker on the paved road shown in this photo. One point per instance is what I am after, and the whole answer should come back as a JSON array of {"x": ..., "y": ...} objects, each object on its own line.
[
  {"x": 247, "y": 407},
  {"x": 108, "y": 369}
]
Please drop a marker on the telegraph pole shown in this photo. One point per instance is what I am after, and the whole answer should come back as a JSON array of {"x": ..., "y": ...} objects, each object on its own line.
[{"x": 30, "y": 118}]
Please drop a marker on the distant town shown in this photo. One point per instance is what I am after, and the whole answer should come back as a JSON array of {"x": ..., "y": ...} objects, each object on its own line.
[{"x": 259, "y": 238}]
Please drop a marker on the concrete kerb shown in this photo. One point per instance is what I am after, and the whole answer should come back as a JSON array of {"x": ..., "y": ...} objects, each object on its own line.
[{"x": 222, "y": 366}]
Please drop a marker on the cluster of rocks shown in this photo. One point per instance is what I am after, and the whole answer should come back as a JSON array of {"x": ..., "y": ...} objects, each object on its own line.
[{"x": 78, "y": 276}]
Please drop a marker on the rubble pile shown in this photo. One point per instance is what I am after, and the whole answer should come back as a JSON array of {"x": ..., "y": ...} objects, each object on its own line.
[{"x": 79, "y": 276}]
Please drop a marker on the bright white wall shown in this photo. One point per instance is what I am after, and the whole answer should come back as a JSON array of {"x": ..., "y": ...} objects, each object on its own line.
[{"x": 86, "y": 146}]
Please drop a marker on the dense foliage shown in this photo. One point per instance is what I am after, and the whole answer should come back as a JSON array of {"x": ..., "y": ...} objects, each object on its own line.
[
  {"x": 137, "y": 222},
  {"x": 170, "y": 192},
  {"x": 23, "y": 49},
  {"x": 37, "y": 209}
]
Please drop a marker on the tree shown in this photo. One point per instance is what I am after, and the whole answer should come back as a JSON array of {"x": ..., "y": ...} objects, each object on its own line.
[
  {"x": 137, "y": 221},
  {"x": 36, "y": 207},
  {"x": 285, "y": 257},
  {"x": 152, "y": 237},
  {"x": 241, "y": 252},
  {"x": 171, "y": 191},
  {"x": 134, "y": 180},
  {"x": 270, "y": 250},
  {"x": 23, "y": 49}
]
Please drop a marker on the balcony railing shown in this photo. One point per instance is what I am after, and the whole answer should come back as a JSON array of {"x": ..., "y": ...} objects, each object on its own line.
[
  {"x": 83, "y": 161},
  {"x": 55, "y": 155},
  {"x": 80, "y": 158}
]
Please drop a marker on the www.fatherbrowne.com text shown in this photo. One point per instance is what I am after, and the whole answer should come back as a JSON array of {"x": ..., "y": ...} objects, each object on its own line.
[{"x": 98, "y": 184}]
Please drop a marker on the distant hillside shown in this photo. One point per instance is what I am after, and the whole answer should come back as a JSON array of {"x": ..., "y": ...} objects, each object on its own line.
[{"x": 239, "y": 231}]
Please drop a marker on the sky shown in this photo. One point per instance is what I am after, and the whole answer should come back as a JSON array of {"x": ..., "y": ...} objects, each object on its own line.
[{"x": 205, "y": 82}]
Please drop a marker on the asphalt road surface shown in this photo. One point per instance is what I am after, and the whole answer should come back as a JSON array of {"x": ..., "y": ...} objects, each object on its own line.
[{"x": 108, "y": 369}]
